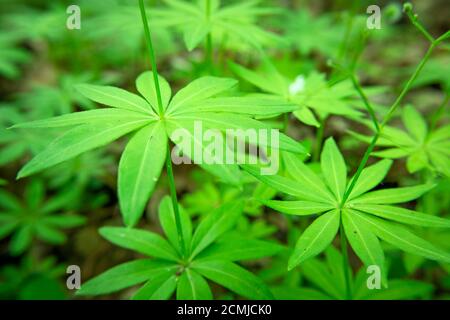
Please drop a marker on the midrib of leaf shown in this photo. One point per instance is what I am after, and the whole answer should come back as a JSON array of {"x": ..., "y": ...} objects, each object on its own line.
[
  {"x": 194, "y": 292},
  {"x": 335, "y": 178},
  {"x": 141, "y": 166},
  {"x": 372, "y": 258},
  {"x": 316, "y": 237}
]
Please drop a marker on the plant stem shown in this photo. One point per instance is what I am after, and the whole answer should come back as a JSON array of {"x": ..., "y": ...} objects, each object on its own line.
[
  {"x": 208, "y": 49},
  {"x": 151, "y": 52},
  {"x": 319, "y": 138},
  {"x": 345, "y": 262},
  {"x": 386, "y": 119},
  {"x": 173, "y": 194},
  {"x": 173, "y": 191},
  {"x": 365, "y": 100},
  {"x": 438, "y": 114}
]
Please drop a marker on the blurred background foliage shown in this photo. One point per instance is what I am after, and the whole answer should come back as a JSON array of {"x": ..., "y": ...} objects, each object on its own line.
[{"x": 50, "y": 221}]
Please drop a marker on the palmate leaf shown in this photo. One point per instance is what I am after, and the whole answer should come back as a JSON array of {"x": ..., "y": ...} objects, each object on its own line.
[
  {"x": 312, "y": 196},
  {"x": 34, "y": 218},
  {"x": 423, "y": 149},
  {"x": 142, "y": 160},
  {"x": 303, "y": 93},
  {"x": 233, "y": 21},
  {"x": 208, "y": 255}
]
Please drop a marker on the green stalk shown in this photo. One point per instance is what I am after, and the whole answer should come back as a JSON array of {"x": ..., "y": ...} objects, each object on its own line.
[
  {"x": 173, "y": 191},
  {"x": 388, "y": 116},
  {"x": 173, "y": 194},
  {"x": 319, "y": 139},
  {"x": 208, "y": 49},
  {"x": 345, "y": 263},
  {"x": 148, "y": 40},
  {"x": 439, "y": 112}
]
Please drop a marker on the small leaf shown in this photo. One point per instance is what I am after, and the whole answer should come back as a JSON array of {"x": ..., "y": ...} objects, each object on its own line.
[
  {"x": 125, "y": 275},
  {"x": 76, "y": 141},
  {"x": 215, "y": 224},
  {"x": 404, "y": 215},
  {"x": 145, "y": 84},
  {"x": 370, "y": 177},
  {"x": 160, "y": 287},
  {"x": 394, "y": 195},
  {"x": 115, "y": 97},
  {"x": 234, "y": 278},
  {"x": 199, "y": 89},
  {"x": 168, "y": 223},
  {"x": 140, "y": 166},
  {"x": 414, "y": 123},
  {"x": 298, "y": 207},
  {"x": 192, "y": 286},
  {"x": 401, "y": 238},
  {"x": 315, "y": 238},
  {"x": 145, "y": 242},
  {"x": 333, "y": 168}
]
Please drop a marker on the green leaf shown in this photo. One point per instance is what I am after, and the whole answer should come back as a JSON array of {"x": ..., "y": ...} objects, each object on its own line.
[
  {"x": 233, "y": 250},
  {"x": 49, "y": 234},
  {"x": 303, "y": 174},
  {"x": 394, "y": 195},
  {"x": 98, "y": 116},
  {"x": 297, "y": 293},
  {"x": 199, "y": 89},
  {"x": 64, "y": 221},
  {"x": 192, "y": 286},
  {"x": 228, "y": 173},
  {"x": 77, "y": 141},
  {"x": 401, "y": 238},
  {"x": 414, "y": 123},
  {"x": 145, "y": 84},
  {"x": 160, "y": 287},
  {"x": 168, "y": 223},
  {"x": 21, "y": 240},
  {"x": 404, "y": 215},
  {"x": 140, "y": 166},
  {"x": 125, "y": 275},
  {"x": 283, "y": 184},
  {"x": 254, "y": 106},
  {"x": 315, "y": 238},
  {"x": 226, "y": 121},
  {"x": 370, "y": 177},
  {"x": 234, "y": 278},
  {"x": 318, "y": 273},
  {"x": 215, "y": 224},
  {"x": 333, "y": 168},
  {"x": 115, "y": 97},
  {"x": 298, "y": 207},
  {"x": 365, "y": 244},
  {"x": 145, "y": 242},
  {"x": 401, "y": 290},
  {"x": 195, "y": 32}
]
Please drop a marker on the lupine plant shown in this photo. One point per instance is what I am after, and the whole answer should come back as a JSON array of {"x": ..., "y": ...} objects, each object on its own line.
[{"x": 222, "y": 230}]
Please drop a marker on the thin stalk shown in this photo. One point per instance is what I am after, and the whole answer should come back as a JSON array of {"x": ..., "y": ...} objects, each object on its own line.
[
  {"x": 386, "y": 119},
  {"x": 345, "y": 263},
  {"x": 208, "y": 49},
  {"x": 173, "y": 194},
  {"x": 413, "y": 18},
  {"x": 173, "y": 191},
  {"x": 438, "y": 114},
  {"x": 148, "y": 40},
  {"x": 319, "y": 139}
]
